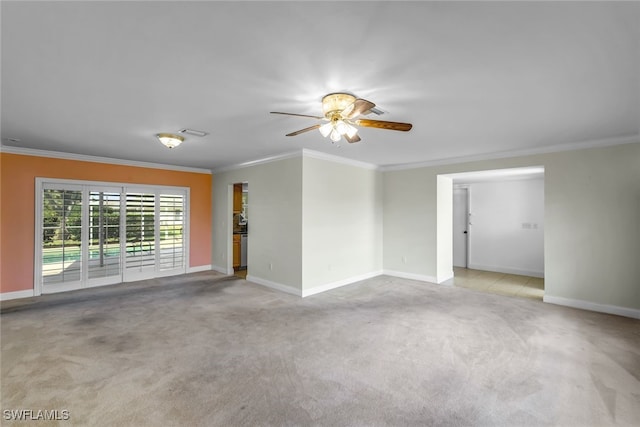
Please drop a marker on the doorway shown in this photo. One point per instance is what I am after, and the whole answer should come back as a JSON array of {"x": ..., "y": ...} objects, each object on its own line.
[
  {"x": 240, "y": 229},
  {"x": 498, "y": 231},
  {"x": 460, "y": 226}
]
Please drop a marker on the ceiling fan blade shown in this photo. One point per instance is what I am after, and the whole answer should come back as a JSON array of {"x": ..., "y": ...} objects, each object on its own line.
[
  {"x": 358, "y": 107},
  {"x": 380, "y": 124},
  {"x": 299, "y": 115},
  {"x": 355, "y": 138},
  {"x": 298, "y": 132}
]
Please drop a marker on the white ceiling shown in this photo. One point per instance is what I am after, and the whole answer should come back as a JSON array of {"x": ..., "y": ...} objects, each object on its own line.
[{"x": 474, "y": 78}]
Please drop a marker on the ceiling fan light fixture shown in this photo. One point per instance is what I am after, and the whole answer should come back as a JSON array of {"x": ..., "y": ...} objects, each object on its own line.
[
  {"x": 170, "y": 140},
  {"x": 345, "y": 128},
  {"x": 335, "y": 135},
  {"x": 326, "y": 129},
  {"x": 342, "y": 111},
  {"x": 351, "y": 131},
  {"x": 336, "y": 102},
  {"x": 341, "y": 127}
]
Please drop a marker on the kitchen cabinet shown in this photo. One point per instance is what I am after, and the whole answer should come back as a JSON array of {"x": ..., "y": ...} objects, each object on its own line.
[
  {"x": 236, "y": 250},
  {"x": 237, "y": 198}
]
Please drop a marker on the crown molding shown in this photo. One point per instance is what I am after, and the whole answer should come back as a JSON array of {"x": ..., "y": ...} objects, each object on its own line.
[
  {"x": 337, "y": 159},
  {"x": 96, "y": 159},
  {"x": 629, "y": 139},
  {"x": 573, "y": 146},
  {"x": 277, "y": 157},
  {"x": 298, "y": 153}
]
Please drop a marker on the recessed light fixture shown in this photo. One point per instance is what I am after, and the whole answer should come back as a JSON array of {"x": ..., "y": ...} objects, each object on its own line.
[{"x": 170, "y": 140}]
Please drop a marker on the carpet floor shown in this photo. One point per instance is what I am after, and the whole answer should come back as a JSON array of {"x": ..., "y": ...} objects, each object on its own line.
[{"x": 210, "y": 350}]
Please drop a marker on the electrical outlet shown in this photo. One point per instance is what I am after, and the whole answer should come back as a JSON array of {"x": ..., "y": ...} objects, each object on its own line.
[
  {"x": 270, "y": 266},
  {"x": 404, "y": 259}
]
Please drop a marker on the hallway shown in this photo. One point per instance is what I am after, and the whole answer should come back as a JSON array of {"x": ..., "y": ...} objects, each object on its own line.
[{"x": 499, "y": 283}]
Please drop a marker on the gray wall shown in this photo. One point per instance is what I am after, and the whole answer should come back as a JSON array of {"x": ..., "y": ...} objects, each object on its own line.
[
  {"x": 592, "y": 232},
  {"x": 320, "y": 223},
  {"x": 592, "y": 225},
  {"x": 313, "y": 223},
  {"x": 275, "y": 221},
  {"x": 409, "y": 223},
  {"x": 342, "y": 222}
]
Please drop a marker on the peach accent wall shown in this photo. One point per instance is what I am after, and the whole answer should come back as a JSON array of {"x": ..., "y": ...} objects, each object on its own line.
[{"x": 17, "y": 204}]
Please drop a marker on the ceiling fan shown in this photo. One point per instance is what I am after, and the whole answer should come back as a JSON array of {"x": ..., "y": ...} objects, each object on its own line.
[{"x": 341, "y": 112}]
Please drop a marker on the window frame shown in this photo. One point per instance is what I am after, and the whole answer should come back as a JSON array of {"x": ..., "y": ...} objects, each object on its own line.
[{"x": 87, "y": 186}]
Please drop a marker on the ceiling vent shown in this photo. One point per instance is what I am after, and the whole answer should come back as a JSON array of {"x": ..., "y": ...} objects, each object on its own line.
[{"x": 193, "y": 132}]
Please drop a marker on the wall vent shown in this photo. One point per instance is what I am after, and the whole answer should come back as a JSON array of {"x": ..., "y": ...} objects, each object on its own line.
[{"x": 193, "y": 132}]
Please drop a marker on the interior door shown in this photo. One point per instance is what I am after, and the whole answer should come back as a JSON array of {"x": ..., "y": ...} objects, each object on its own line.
[{"x": 460, "y": 226}]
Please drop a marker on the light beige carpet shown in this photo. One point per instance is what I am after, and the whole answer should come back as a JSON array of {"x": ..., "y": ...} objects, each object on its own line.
[{"x": 213, "y": 351}]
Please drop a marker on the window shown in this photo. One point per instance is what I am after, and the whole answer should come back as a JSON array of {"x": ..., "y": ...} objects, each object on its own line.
[
  {"x": 61, "y": 235},
  {"x": 104, "y": 234},
  {"x": 93, "y": 234},
  {"x": 171, "y": 231}
]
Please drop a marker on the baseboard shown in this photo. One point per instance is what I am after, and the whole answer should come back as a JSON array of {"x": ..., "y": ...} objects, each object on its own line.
[
  {"x": 219, "y": 269},
  {"x": 592, "y": 306},
  {"x": 411, "y": 276},
  {"x": 444, "y": 278},
  {"x": 199, "y": 268},
  {"x": 274, "y": 285},
  {"x": 27, "y": 293},
  {"x": 339, "y": 283},
  {"x": 507, "y": 270}
]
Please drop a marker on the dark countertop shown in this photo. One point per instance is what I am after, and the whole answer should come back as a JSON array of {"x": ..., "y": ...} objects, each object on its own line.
[{"x": 242, "y": 229}]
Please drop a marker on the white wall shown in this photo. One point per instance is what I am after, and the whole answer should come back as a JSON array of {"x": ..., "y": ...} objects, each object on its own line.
[
  {"x": 275, "y": 225},
  {"x": 317, "y": 223},
  {"x": 409, "y": 224},
  {"x": 444, "y": 232},
  {"x": 591, "y": 234},
  {"x": 591, "y": 227},
  {"x": 342, "y": 223},
  {"x": 507, "y": 231}
]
